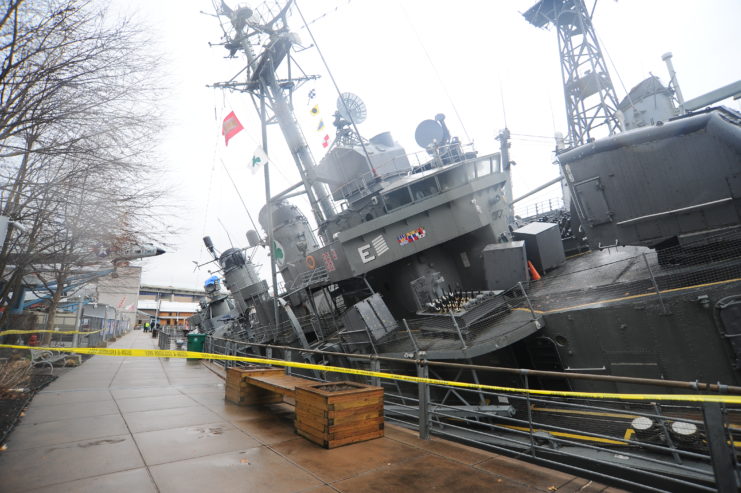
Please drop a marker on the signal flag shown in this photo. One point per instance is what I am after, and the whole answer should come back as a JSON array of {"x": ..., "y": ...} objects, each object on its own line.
[{"x": 230, "y": 127}]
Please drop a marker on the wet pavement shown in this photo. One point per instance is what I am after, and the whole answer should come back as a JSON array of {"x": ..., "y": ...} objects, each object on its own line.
[{"x": 119, "y": 424}]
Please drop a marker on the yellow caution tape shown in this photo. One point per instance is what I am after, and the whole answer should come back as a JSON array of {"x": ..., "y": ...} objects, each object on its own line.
[
  {"x": 10, "y": 332},
  {"x": 163, "y": 353}
]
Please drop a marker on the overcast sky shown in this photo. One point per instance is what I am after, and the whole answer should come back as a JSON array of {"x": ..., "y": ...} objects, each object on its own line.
[{"x": 477, "y": 61}]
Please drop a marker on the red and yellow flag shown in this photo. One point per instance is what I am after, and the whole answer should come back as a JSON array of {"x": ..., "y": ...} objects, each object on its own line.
[{"x": 230, "y": 127}]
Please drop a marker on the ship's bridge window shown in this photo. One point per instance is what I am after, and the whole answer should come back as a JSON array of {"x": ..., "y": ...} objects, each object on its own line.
[
  {"x": 424, "y": 188},
  {"x": 470, "y": 171},
  {"x": 397, "y": 198},
  {"x": 452, "y": 178},
  {"x": 484, "y": 167}
]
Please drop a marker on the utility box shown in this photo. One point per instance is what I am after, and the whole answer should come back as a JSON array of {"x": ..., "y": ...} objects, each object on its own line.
[
  {"x": 505, "y": 264},
  {"x": 542, "y": 244}
]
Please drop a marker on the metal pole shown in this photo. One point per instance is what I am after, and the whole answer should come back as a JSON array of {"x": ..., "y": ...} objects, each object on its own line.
[
  {"x": 527, "y": 299},
  {"x": 667, "y": 435},
  {"x": 156, "y": 309},
  {"x": 458, "y": 329},
  {"x": 424, "y": 401},
  {"x": 78, "y": 318},
  {"x": 414, "y": 342},
  {"x": 529, "y": 412},
  {"x": 271, "y": 240},
  {"x": 656, "y": 286},
  {"x": 375, "y": 366},
  {"x": 667, "y": 57},
  {"x": 482, "y": 399},
  {"x": 726, "y": 476}
]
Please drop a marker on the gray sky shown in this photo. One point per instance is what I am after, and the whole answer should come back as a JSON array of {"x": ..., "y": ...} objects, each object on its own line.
[{"x": 408, "y": 61}]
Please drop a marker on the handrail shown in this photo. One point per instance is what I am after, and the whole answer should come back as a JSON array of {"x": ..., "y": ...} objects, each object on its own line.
[{"x": 416, "y": 360}]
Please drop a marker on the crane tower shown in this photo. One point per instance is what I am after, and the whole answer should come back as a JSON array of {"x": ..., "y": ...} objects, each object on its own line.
[{"x": 591, "y": 104}]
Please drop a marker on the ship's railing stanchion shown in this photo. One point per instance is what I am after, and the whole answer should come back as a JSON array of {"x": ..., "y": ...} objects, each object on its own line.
[
  {"x": 667, "y": 435},
  {"x": 411, "y": 336},
  {"x": 526, "y": 385},
  {"x": 458, "y": 329},
  {"x": 655, "y": 284},
  {"x": 527, "y": 300},
  {"x": 423, "y": 371},
  {"x": 722, "y": 449},
  {"x": 375, "y": 366}
]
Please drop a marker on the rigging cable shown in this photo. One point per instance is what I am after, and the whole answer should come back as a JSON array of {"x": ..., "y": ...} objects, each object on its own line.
[
  {"x": 437, "y": 73},
  {"x": 325, "y": 14},
  {"x": 238, "y": 194},
  {"x": 231, "y": 243},
  {"x": 614, "y": 67},
  {"x": 211, "y": 176},
  {"x": 337, "y": 88}
]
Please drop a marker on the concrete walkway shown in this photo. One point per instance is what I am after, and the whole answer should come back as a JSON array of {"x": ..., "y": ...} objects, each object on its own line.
[{"x": 140, "y": 425}]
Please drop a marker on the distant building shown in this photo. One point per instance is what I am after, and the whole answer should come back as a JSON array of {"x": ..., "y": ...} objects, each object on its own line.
[
  {"x": 169, "y": 305},
  {"x": 120, "y": 294}
]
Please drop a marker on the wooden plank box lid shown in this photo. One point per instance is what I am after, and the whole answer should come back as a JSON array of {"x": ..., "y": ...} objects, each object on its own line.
[
  {"x": 331, "y": 392},
  {"x": 234, "y": 374}
]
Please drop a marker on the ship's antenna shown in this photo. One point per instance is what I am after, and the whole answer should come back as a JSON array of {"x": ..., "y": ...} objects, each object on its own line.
[
  {"x": 501, "y": 97},
  {"x": 210, "y": 179},
  {"x": 336, "y": 87},
  {"x": 226, "y": 231}
]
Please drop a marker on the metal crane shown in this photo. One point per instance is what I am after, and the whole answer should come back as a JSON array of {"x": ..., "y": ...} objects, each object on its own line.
[{"x": 591, "y": 103}]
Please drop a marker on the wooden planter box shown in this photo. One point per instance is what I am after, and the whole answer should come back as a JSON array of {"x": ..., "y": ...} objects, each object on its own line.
[
  {"x": 333, "y": 414},
  {"x": 242, "y": 393}
]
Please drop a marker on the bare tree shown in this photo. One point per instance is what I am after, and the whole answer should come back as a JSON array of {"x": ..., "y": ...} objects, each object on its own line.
[{"x": 78, "y": 126}]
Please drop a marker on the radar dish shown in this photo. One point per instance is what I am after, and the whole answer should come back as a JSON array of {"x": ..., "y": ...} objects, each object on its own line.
[
  {"x": 427, "y": 132},
  {"x": 353, "y": 109}
]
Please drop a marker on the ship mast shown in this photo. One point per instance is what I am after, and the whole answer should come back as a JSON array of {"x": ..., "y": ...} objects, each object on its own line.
[
  {"x": 263, "y": 35},
  {"x": 591, "y": 102}
]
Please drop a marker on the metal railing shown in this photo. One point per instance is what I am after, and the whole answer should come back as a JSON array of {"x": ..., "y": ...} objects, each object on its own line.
[
  {"x": 92, "y": 333},
  {"x": 534, "y": 210},
  {"x": 646, "y": 445},
  {"x": 166, "y": 336}
]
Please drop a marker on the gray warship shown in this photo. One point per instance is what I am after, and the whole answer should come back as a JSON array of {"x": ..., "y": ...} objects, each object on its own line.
[
  {"x": 431, "y": 257},
  {"x": 638, "y": 275}
]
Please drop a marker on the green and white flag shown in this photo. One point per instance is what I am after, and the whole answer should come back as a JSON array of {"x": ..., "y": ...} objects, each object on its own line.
[
  {"x": 259, "y": 159},
  {"x": 280, "y": 254}
]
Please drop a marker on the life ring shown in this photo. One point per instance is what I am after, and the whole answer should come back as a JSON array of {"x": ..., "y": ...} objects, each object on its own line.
[{"x": 311, "y": 262}]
